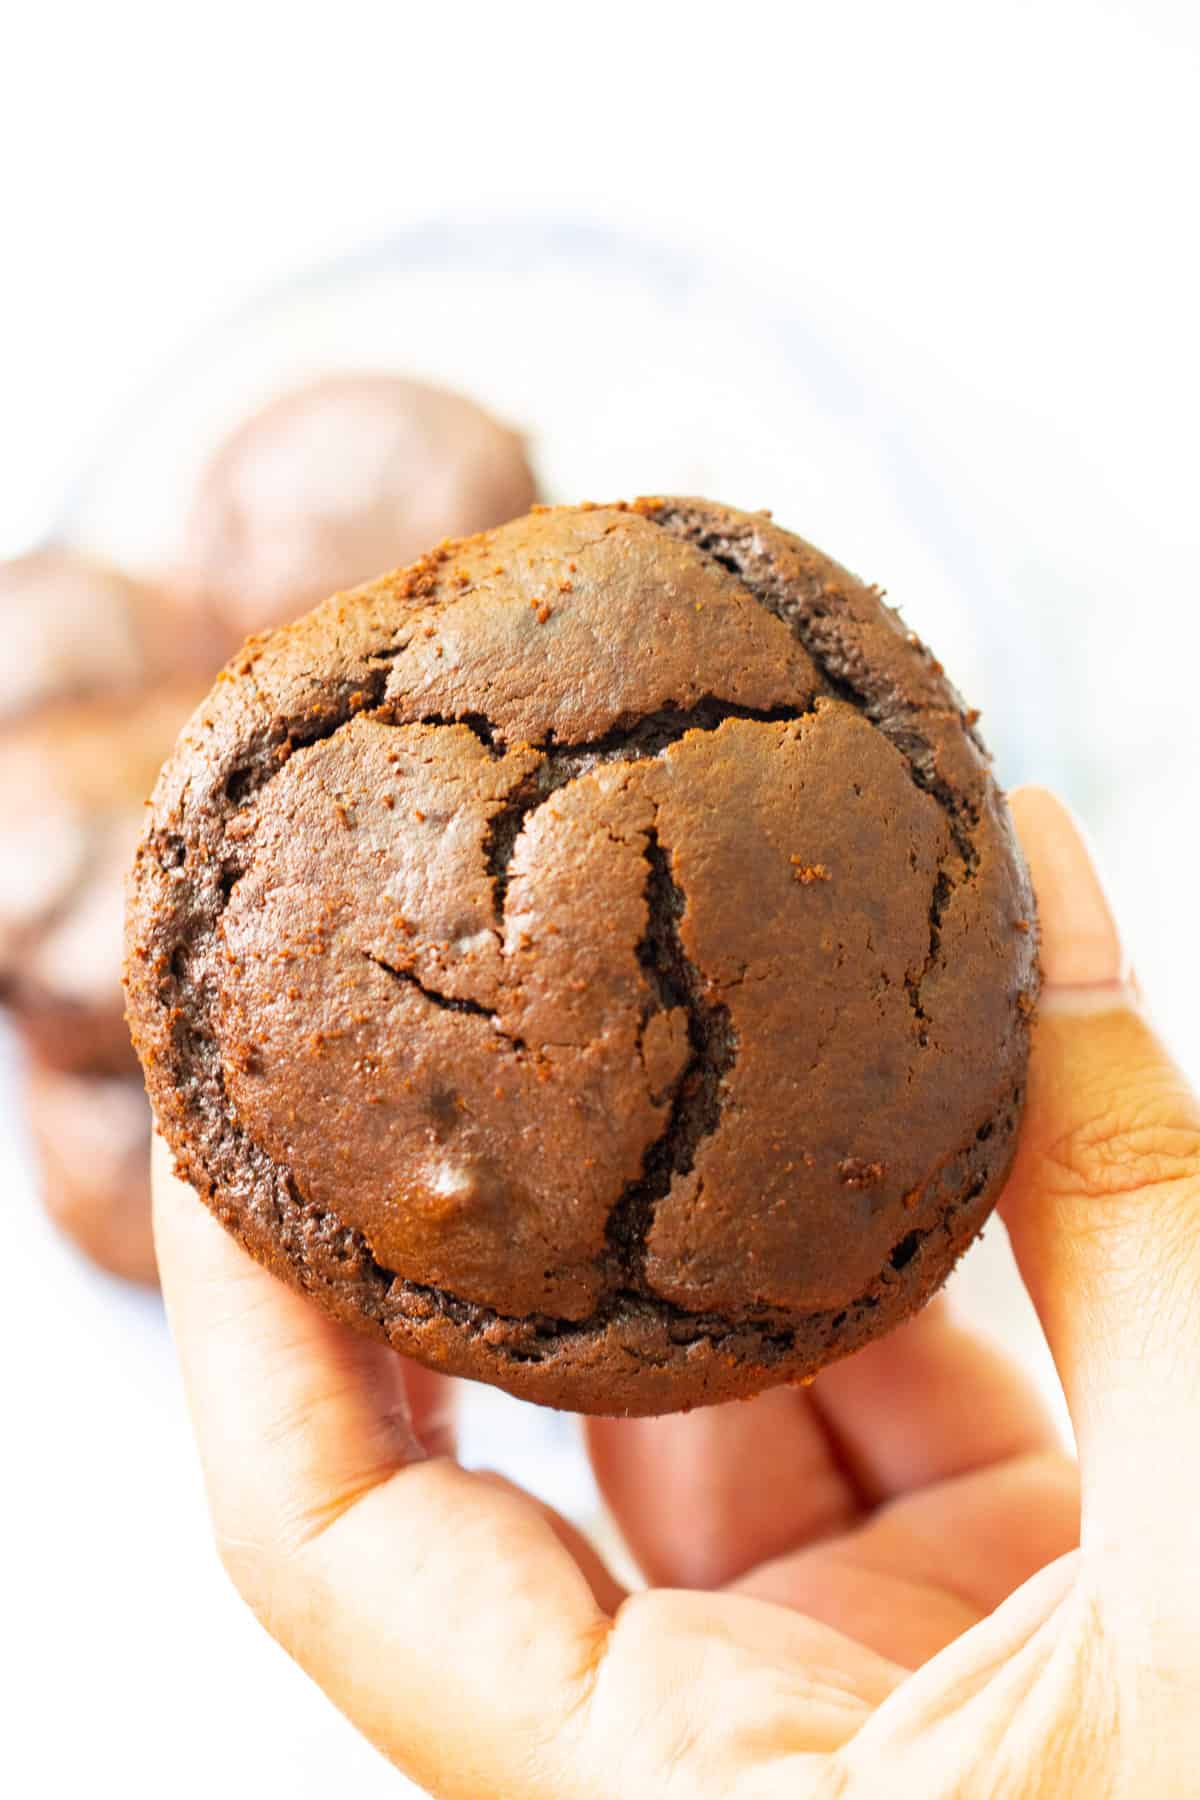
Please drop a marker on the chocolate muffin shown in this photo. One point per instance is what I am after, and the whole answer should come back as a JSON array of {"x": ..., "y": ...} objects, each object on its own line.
[
  {"x": 336, "y": 480},
  {"x": 73, "y": 626},
  {"x": 595, "y": 959},
  {"x": 91, "y": 1138}
]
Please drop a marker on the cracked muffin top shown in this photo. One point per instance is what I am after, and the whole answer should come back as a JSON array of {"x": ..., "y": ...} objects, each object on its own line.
[{"x": 595, "y": 958}]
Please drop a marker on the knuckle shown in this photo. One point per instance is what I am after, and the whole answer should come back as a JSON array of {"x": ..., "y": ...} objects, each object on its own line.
[{"x": 1124, "y": 1152}]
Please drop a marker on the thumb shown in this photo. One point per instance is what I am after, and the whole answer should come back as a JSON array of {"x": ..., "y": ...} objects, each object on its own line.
[{"x": 1103, "y": 1207}]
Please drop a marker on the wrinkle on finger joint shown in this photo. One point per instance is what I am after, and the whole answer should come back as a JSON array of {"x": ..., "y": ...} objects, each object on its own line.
[{"x": 1122, "y": 1155}]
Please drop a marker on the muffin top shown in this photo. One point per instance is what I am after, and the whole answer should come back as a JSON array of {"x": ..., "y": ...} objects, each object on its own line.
[
  {"x": 336, "y": 480},
  {"x": 595, "y": 957}
]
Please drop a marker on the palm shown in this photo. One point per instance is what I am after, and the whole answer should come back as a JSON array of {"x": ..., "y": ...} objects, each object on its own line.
[{"x": 880, "y": 1516}]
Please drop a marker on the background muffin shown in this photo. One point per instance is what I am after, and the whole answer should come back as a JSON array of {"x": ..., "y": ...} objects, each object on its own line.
[
  {"x": 74, "y": 776},
  {"x": 338, "y": 481},
  {"x": 72, "y": 626},
  {"x": 91, "y": 1137}
]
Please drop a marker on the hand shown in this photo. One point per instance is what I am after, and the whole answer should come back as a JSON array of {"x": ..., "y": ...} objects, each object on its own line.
[{"x": 869, "y": 1587}]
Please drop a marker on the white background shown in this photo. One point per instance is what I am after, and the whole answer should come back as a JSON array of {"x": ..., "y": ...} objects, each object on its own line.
[{"x": 988, "y": 212}]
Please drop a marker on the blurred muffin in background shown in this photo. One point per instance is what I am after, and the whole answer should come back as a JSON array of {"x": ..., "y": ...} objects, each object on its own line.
[
  {"x": 337, "y": 481},
  {"x": 91, "y": 1137},
  {"x": 74, "y": 775},
  {"x": 72, "y": 626}
]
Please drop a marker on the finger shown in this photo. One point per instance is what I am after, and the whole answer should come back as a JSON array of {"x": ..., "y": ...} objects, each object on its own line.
[
  {"x": 930, "y": 1402},
  {"x": 701, "y": 1497},
  {"x": 432, "y": 1408},
  {"x": 927, "y": 1567},
  {"x": 1104, "y": 1204},
  {"x": 441, "y": 1611}
]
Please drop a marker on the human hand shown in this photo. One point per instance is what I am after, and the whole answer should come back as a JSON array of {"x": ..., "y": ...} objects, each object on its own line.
[{"x": 867, "y": 1587}]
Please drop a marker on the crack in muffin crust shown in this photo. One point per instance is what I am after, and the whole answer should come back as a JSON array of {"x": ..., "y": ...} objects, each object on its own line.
[
  {"x": 823, "y": 632},
  {"x": 698, "y": 1089},
  {"x": 447, "y": 1002},
  {"x": 847, "y": 677},
  {"x": 563, "y": 763},
  {"x": 196, "y": 852},
  {"x": 536, "y": 1337}
]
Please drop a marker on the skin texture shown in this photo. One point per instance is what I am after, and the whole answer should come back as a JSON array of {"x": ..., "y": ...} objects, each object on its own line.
[
  {"x": 339, "y": 479},
  {"x": 891, "y": 1583},
  {"x": 595, "y": 959}
]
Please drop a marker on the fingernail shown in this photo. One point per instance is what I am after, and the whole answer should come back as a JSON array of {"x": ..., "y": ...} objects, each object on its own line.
[{"x": 1080, "y": 944}]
